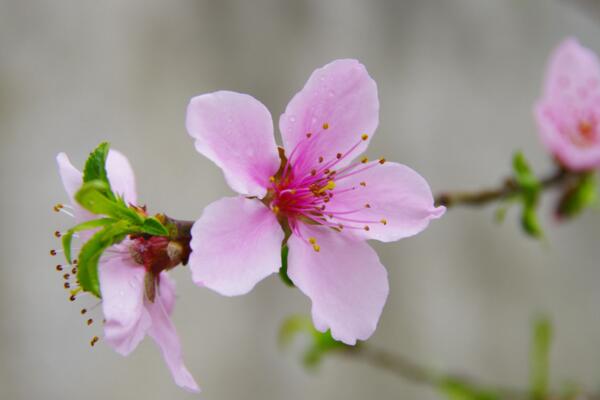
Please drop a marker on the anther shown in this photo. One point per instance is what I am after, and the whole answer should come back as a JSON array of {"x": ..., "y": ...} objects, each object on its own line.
[
  {"x": 90, "y": 321},
  {"x": 363, "y": 184},
  {"x": 272, "y": 179},
  {"x": 312, "y": 240},
  {"x": 52, "y": 252},
  {"x": 338, "y": 155},
  {"x": 83, "y": 311},
  {"x": 384, "y": 221},
  {"x": 364, "y": 136},
  {"x": 75, "y": 262},
  {"x": 94, "y": 340},
  {"x": 326, "y": 171},
  {"x": 66, "y": 276},
  {"x": 74, "y": 271},
  {"x": 59, "y": 267},
  {"x": 364, "y": 160},
  {"x": 382, "y": 160},
  {"x": 316, "y": 247},
  {"x": 367, "y": 205},
  {"x": 293, "y": 191},
  {"x": 325, "y": 125},
  {"x": 275, "y": 209},
  {"x": 321, "y": 159},
  {"x": 57, "y": 207},
  {"x": 367, "y": 228},
  {"x": 308, "y": 135},
  {"x": 313, "y": 172},
  {"x": 72, "y": 297},
  {"x": 67, "y": 285},
  {"x": 57, "y": 234}
]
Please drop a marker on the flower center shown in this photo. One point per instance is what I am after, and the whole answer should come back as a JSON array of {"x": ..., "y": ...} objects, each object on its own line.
[
  {"x": 304, "y": 195},
  {"x": 586, "y": 133}
]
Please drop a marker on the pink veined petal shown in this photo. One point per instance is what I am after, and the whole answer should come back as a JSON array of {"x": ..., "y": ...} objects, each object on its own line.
[
  {"x": 346, "y": 282},
  {"x": 235, "y": 131},
  {"x": 571, "y": 96},
  {"x": 121, "y": 176},
  {"x": 235, "y": 244},
  {"x": 72, "y": 180},
  {"x": 342, "y": 97},
  {"x": 163, "y": 332},
  {"x": 391, "y": 199},
  {"x": 122, "y": 287}
]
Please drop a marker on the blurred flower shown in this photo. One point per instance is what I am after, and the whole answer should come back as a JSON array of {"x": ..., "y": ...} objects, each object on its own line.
[
  {"x": 136, "y": 300},
  {"x": 568, "y": 114},
  {"x": 310, "y": 195}
]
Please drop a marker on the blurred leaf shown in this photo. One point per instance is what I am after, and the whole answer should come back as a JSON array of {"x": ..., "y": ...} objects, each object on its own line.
[
  {"x": 578, "y": 197},
  {"x": 320, "y": 343},
  {"x": 540, "y": 358},
  {"x": 91, "y": 252},
  {"x": 459, "y": 390},
  {"x": 284, "y": 266},
  {"x": 529, "y": 194},
  {"x": 68, "y": 237}
]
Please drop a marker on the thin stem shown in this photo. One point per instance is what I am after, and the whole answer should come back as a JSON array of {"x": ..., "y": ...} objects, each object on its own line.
[{"x": 507, "y": 189}]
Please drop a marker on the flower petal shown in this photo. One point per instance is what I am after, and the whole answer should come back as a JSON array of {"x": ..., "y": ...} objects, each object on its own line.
[
  {"x": 235, "y": 244},
  {"x": 391, "y": 199},
  {"x": 72, "y": 180},
  {"x": 122, "y": 287},
  {"x": 571, "y": 96},
  {"x": 337, "y": 106},
  {"x": 235, "y": 131},
  {"x": 346, "y": 282},
  {"x": 164, "y": 334},
  {"x": 121, "y": 176}
]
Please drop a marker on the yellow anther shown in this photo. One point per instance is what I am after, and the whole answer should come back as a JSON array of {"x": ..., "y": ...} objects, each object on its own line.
[
  {"x": 312, "y": 240},
  {"x": 363, "y": 184},
  {"x": 316, "y": 247},
  {"x": 384, "y": 221},
  {"x": 271, "y": 179},
  {"x": 94, "y": 340},
  {"x": 275, "y": 209},
  {"x": 58, "y": 207},
  {"x": 330, "y": 186},
  {"x": 325, "y": 125},
  {"x": 364, "y": 136},
  {"x": 382, "y": 160},
  {"x": 364, "y": 160}
]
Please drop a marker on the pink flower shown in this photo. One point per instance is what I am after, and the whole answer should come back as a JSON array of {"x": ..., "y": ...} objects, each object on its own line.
[
  {"x": 128, "y": 311},
  {"x": 314, "y": 196},
  {"x": 568, "y": 114}
]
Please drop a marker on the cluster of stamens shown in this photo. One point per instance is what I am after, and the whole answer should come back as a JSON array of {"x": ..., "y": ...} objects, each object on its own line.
[{"x": 303, "y": 196}]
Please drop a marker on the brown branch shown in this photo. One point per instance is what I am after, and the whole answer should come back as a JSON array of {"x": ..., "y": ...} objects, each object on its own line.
[{"x": 508, "y": 188}]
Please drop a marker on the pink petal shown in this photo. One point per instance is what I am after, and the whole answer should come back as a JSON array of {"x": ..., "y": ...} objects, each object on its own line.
[
  {"x": 572, "y": 95},
  {"x": 346, "y": 282},
  {"x": 342, "y": 95},
  {"x": 235, "y": 244},
  {"x": 164, "y": 334},
  {"x": 235, "y": 131},
  {"x": 399, "y": 199},
  {"x": 122, "y": 287},
  {"x": 72, "y": 180},
  {"x": 121, "y": 177}
]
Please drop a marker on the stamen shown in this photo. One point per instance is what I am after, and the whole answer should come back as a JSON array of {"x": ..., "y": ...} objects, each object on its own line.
[
  {"x": 382, "y": 160},
  {"x": 94, "y": 340},
  {"x": 384, "y": 221},
  {"x": 364, "y": 136},
  {"x": 320, "y": 159},
  {"x": 363, "y": 184},
  {"x": 66, "y": 276},
  {"x": 53, "y": 252},
  {"x": 72, "y": 297},
  {"x": 338, "y": 155},
  {"x": 367, "y": 228},
  {"x": 308, "y": 135},
  {"x": 67, "y": 285},
  {"x": 83, "y": 311},
  {"x": 57, "y": 234},
  {"x": 367, "y": 205},
  {"x": 59, "y": 267},
  {"x": 316, "y": 247},
  {"x": 57, "y": 207},
  {"x": 272, "y": 179},
  {"x": 325, "y": 125},
  {"x": 275, "y": 209},
  {"x": 364, "y": 160},
  {"x": 90, "y": 321}
]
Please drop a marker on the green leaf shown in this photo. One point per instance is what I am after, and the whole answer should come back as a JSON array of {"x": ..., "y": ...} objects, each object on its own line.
[
  {"x": 152, "y": 226},
  {"x": 95, "y": 166},
  {"x": 94, "y": 196},
  {"x": 92, "y": 250},
  {"x": 529, "y": 195},
  {"x": 284, "y": 266},
  {"x": 575, "y": 199},
  {"x": 84, "y": 226},
  {"x": 540, "y": 358},
  {"x": 459, "y": 390},
  {"x": 320, "y": 343}
]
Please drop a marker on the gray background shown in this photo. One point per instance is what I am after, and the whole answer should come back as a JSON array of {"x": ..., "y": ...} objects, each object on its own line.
[{"x": 456, "y": 80}]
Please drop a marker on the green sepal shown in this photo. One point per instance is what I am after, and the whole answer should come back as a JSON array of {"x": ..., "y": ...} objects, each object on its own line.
[
  {"x": 530, "y": 189},
  {"x": 94, "y": 196},
  {"x": 578, "y": 197},
  {"x": 540, "y": 358},
  {"x": 320, "y": 343},
  {"x": 284, "y": 266},
  {"x": 84, "y": 226},
  {"x": 152, "y": 226},
  {"x": 92, "y": 250}
]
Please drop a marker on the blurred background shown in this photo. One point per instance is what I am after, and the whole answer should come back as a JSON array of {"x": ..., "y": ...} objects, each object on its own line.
[{"x": 457, "y": 80}]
